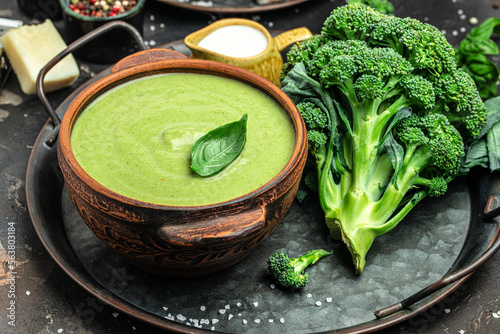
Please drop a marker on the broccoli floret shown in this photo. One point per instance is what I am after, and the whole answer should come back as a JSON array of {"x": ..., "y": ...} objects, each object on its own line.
[
  {"x": 383, "y": 6},
  {"x": 289, "y": 272},
  {"x": 389, "y": 117}
]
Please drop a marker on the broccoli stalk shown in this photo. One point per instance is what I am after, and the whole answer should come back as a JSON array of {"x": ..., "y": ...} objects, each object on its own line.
[
  {"x": 389, "y": 116},
  {"x": 289, "y": 272}
]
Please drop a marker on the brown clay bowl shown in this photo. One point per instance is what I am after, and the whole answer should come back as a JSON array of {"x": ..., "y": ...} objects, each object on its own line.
[{"x": 180, "y": 241}]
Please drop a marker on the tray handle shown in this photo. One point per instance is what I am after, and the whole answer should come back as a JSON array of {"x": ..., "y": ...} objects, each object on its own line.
[{"x": 71, "y": 48}]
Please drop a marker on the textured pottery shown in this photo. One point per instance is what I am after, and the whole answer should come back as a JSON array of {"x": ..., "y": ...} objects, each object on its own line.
[
  {"x": 180, "y": 241},
  {"x": 268, "y": 63}
]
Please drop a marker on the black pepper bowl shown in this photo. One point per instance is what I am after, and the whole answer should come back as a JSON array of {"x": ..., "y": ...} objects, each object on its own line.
[{"x": 109, "y": 47}]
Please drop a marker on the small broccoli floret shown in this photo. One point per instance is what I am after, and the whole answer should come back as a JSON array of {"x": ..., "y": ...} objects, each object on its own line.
[
  {"x": 351, "y": 22},
  {"x": 383, "y": 6},
  {"x": 389, "y": 117},
  {"x": 300, "y": 52},
  {"x": 431, "y": 141},
  {"x": 422, "y": 44},
  {"x": 289, "y": 272},
  {"x": 459, "y": 98}
]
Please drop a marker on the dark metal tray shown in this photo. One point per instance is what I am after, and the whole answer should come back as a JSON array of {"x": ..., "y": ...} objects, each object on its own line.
[{"x": 441, "y": 236}]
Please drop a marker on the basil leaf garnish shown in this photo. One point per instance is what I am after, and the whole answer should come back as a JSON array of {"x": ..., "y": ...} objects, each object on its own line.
[{"x": 219, "y": 147}]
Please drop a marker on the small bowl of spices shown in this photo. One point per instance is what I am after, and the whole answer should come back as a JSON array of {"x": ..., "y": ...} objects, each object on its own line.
[{"x": 82, "y": 16}]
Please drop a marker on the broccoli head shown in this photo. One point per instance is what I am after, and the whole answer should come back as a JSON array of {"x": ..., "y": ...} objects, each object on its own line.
[{"x": 389, "y": 117}]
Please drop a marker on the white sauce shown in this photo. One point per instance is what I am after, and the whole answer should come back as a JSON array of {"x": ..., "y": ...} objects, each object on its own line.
[{"x": 235, "y": 41}]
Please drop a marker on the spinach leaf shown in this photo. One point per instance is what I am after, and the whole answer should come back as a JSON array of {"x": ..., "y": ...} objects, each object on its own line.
[
  {"x": 471, "y": 56},
  {"x": 219, "y": 147}
]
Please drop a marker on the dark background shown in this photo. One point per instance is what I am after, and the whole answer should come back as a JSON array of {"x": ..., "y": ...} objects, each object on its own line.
[{"x": 48, "y": 301}]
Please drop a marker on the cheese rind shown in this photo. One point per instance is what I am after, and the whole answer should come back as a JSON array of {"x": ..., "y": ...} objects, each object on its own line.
[{"x": 30, "y": 47}]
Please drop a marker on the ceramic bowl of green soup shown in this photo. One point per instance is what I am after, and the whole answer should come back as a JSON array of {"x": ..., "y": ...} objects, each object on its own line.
[{"x": 124, "y": 149}]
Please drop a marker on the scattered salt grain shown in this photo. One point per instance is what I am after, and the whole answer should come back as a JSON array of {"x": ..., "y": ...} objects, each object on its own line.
[
  {"x": 309, "y": 296},
  {"x": 257, "y": 321},
  {"x": 180, "y": 317},
  {"x": 473, "y": 21},
  {"x": 60, "y": 330},
  {"x": 152, "y": 17},
  {"x": 202, "y": 308},
  {"x": 133, "y": 328},
  {"x": 329, "y": 299},
  {"x": 282, "y": 320},
  {"x": 318, "y": 303},
  {"x": 271, "y": 320},
  {"x": 238, "y": 304},
  {"x": 447, "y": 310},
  {"x": 244, "y": 321},
  {"x": 227, "y": 307},
  {"x": 463, "y": 29},
  {"x": 271, "y": 24},
  {"x": 222, "y": 311},
  {"x": 454, "y": 33},
  {"x": 255, "y": 304},
  {"x": 496, "y": 315},
  {"x": 229, "y": 317},
  {"x": 214, "y": 321},
  {"x": 462, "y": 331},
  {"x": 205, "y": 321},
  {"x": 114, "y": 314},
  {"x": 165, "y": 308},
  {"x": 272, "y": 286},
  {"x": 28, "y": 293}
]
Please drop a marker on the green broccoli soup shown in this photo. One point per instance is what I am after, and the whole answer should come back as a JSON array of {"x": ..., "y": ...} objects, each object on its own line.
[{"x": 136, "y": 138}]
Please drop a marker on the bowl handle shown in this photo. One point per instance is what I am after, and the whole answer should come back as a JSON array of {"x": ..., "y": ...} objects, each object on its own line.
[
  {"x": 72, "y": 47},
  {"x": 227, "y": 228},
  {"x": 147, "y": 56}
]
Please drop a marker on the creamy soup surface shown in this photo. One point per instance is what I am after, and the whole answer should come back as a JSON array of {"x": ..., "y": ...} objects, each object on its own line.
[
  {"x": 136, "y": 138},
  {"x": 235, "y": 41}
]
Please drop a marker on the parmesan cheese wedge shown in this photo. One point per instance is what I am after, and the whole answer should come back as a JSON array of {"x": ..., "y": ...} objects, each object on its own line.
[{"x": 30, "y": 47}]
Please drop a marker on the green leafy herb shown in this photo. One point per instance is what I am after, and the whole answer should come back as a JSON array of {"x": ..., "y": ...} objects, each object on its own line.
[
  {"x": 472, "y": 54},
  {"x": 219, "y": 147}
]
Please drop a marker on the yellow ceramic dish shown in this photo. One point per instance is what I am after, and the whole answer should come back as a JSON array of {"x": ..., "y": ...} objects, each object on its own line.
[{"x": 267, "y": 63}]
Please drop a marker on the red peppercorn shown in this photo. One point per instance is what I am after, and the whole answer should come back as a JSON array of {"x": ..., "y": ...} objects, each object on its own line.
[{"x": 71, "y": 6}]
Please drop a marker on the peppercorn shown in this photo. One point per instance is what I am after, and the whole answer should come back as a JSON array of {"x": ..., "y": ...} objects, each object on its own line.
[{"x": 101, "y": 8}]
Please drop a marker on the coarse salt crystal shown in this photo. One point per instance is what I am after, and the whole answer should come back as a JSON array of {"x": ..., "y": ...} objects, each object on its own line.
[
  {"x": 244, "y": 321},
  {"x": 447, "y": 310},
  {"x": 329, "y": 300},
  {"x": 255, "y": 304},
  {"x": 282, "y": 320},
  {"x": 257, "y": 321},
  {"x": 227, "y": 307},
  {"x": 202, "y": 308},
  {"x": 318, "y": 303},
  {"x": 309, "y": 295}
]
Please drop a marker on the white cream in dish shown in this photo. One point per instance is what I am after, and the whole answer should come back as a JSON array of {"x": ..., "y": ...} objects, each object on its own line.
[{"x": 235, "y": 41}]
